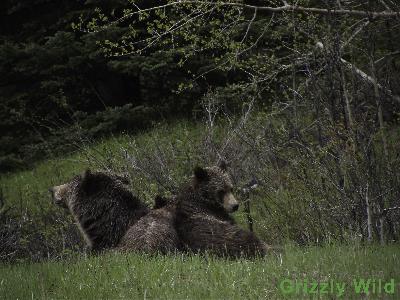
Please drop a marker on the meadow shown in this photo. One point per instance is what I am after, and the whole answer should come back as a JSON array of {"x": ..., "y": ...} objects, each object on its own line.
[
  {"x": 138, "y": 276},
  {"x": 43, "y": 256}
]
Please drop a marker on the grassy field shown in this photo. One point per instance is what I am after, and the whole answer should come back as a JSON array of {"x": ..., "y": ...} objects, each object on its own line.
[
  {"x": 327, "y": 272},
  {"x": 29, "y": 189},
  {"x": 135, "y": 276},
  {"x": 34, "y": 228}
]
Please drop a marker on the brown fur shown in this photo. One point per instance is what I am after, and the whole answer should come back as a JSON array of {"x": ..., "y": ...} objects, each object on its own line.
[
  {"x": 203, "y": 222},
  {"x": 102, "y": 206},
  {"x": 110, "y": 216},
  {"x": 160, "y": 201},
  {"x": 155, "y": 232}
]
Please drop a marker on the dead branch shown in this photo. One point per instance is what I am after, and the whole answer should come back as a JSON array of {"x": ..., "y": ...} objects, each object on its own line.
[
  {"x": 287, "y": 7},
  {"x": 390, "y": 209},
  {"x": 387, "y": 56},
  {"x": 364, "y": 76},
  {"x": 370, "y": 79}
]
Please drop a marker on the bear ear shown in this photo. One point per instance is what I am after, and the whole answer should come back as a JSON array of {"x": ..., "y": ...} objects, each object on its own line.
[
  {"x": 200, "y": 174},
  {"x": 123, "y": 177},
  {"x": 223, "y": 165},
  {"x": 159, "y": 202},
  {"x": 86, "y": 175},
  {"x": 86, "y": 182}
]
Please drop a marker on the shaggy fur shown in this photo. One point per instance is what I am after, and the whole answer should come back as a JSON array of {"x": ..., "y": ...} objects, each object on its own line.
[
  {"x": 102, "y": 205},
  {"x": 110, "y": 216},
  {"x": 155, "y": 232},
  {"x": 203, "y": 222},
  {"x": 160, "y": 201}
]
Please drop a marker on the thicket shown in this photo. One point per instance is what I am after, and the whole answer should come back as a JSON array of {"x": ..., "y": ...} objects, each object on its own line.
[{"x": 324, "y": 77}]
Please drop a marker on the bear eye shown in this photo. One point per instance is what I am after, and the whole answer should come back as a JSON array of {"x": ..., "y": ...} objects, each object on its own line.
[
  {"x": 221, "y": 194},
  {"x": 123, "y": 179}
]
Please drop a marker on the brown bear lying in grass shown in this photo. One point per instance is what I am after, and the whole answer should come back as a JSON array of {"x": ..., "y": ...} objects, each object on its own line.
[
  {"x": 203, "y": 221},
  {"x": 110, "y": 216}
]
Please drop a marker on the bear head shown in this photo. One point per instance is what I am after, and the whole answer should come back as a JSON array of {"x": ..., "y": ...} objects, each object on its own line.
[
  {"x": 215, "y": 187},
  {"x": 89, "y": 184}
]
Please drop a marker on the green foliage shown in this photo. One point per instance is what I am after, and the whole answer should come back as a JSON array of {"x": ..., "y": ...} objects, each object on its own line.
[{"x": 165, "y": 60}]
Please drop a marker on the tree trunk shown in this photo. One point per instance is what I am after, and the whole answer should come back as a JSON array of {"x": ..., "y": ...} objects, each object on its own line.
[{"x": 379, "y": 106}]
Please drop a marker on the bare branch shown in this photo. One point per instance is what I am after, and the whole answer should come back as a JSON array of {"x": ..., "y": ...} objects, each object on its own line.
[
  {"x": 284, "y": 8},
  {"x": 364, "y": 76},
  {"x": 355, "y": 33},
  {"x": 391, "y": 208},
  {"x": 385, "y": 5},
  {"x": 259, "y": 37},
  {"x": 387, "y": 56},
  {"x": 368, "y": 78},
  {"x": 249, "y": 25}
]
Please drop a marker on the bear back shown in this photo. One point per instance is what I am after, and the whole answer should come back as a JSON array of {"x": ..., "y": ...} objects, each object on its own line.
[{"x": 102, "y": 205}]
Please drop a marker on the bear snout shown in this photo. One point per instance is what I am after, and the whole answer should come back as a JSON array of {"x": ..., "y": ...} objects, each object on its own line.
[
  {"x": 235, "y": 207},
  {"x": 56, "y": 193},
  {"x": 230, "y": 203}
]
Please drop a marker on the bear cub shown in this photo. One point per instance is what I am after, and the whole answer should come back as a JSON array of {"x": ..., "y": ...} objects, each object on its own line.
[
  {"x": 203, "y": 222},
  {"x": 102, "y": 205},
  {"x": 110, "y": 216},
  {"x": 154, "y": 232}
]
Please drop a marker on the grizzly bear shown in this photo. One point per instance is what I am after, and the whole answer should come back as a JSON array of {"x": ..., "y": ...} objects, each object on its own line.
[
  {"x": 154, "y": 232},
  {"x": 102, "y": 206},
  {"x": 110, "y": 216},
  {"x": 203, "y": 222}
]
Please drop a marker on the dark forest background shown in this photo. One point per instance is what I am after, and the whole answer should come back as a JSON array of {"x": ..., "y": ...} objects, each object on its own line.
[{"x": 54, "y": 80}]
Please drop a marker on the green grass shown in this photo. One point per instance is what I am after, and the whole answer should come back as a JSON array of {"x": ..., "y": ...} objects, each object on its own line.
[
  {"x": 137, "y": 276},
  {"x": 131, "y": 276},
  {"x": 28, "y": 190}
]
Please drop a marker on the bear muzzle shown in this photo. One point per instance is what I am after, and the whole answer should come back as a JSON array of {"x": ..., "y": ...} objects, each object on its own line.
[
  {"x": 230, "y": 203},
  {"x": 57, "y": 194}
]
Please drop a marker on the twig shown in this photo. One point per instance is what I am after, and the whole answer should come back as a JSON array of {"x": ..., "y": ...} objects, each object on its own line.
[
  {"x": 249, "y": 25},
  {"x": 386, "y": 56},
  {"x": 390, "y": 209},
  {"x": 284, "y": 8}
]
